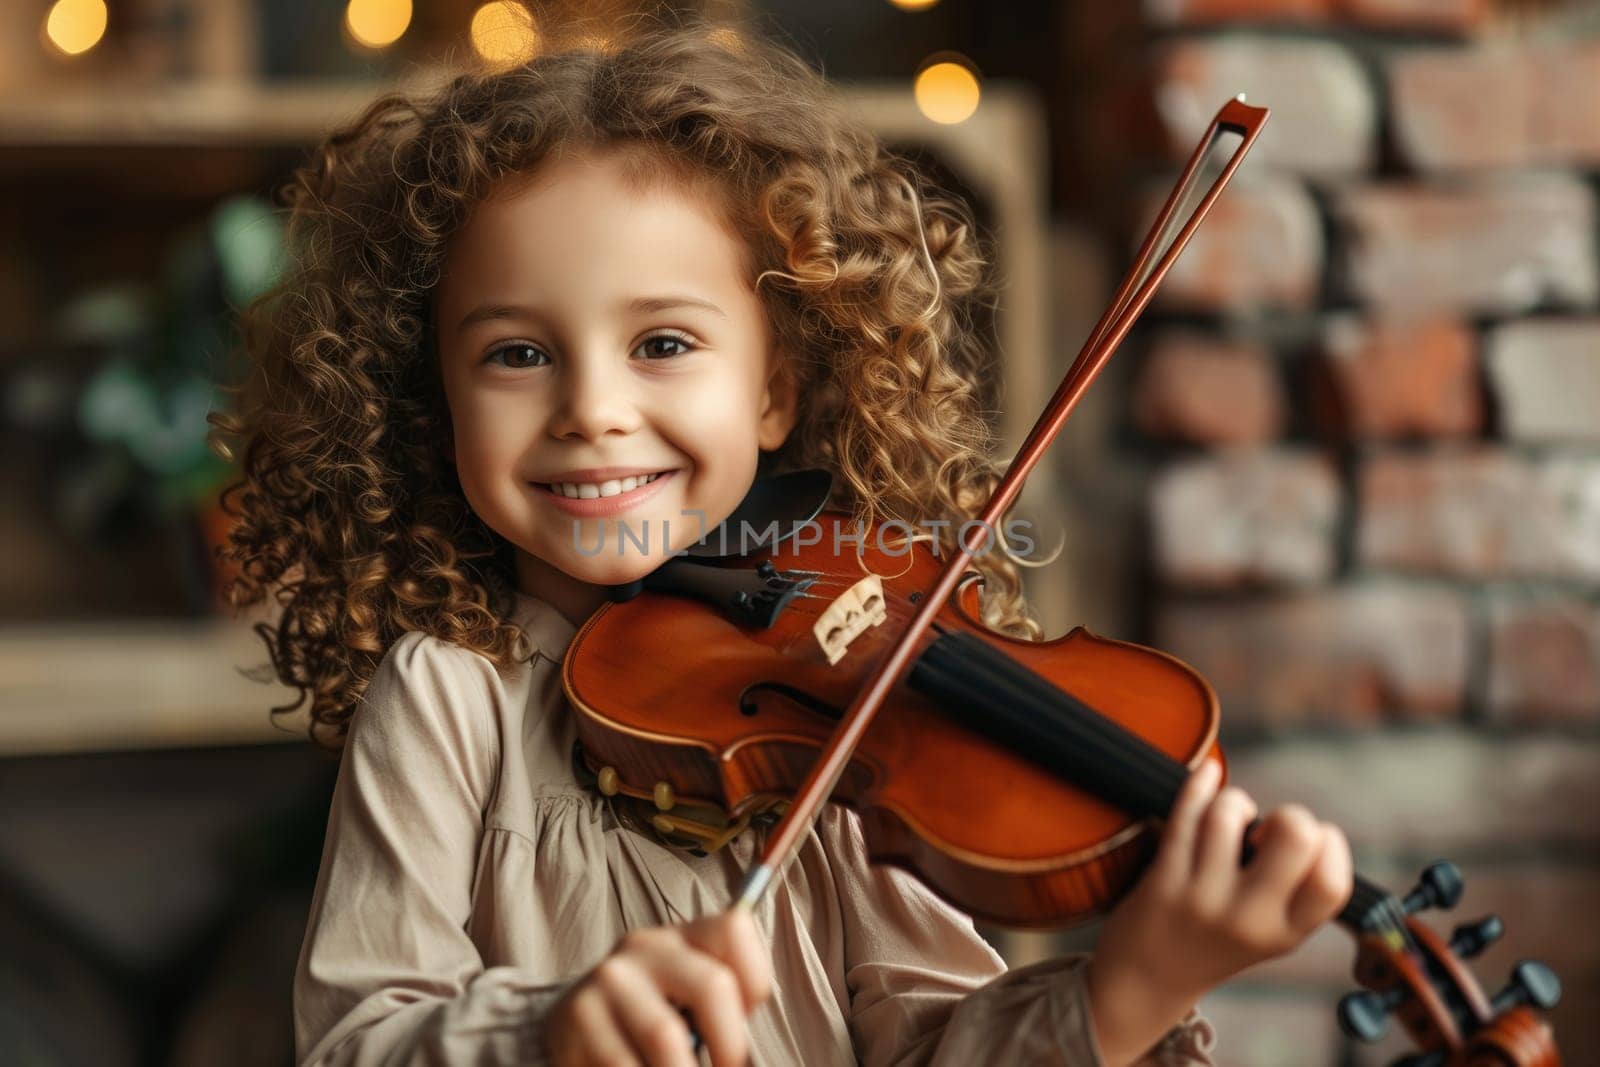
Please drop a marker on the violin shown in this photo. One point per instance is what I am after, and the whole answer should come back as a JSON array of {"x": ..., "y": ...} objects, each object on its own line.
[{"x": 1022, "y": 781}]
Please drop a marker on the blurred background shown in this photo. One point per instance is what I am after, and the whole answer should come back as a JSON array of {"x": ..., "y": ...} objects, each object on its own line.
[{"x": 1348, "y": 465}]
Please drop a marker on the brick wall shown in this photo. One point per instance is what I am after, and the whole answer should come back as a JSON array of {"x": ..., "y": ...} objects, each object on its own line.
[{"x": 1369, "y": 401}]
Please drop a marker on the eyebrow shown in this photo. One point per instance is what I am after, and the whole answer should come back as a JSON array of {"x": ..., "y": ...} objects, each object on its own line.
[{"x": 638, "y": 305}]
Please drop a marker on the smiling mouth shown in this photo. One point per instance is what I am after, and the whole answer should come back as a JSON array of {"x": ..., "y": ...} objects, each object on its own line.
[{"x": 599, "y": 490}]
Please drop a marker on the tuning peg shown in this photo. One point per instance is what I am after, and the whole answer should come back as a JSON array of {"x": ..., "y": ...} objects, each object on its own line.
[
  {"x": 1439, "y": 887},
  {"x": 1531, "y": 983},
  {"x": 1365, "y": 1015},
  {"x": 765, "y": 570},
  {"x": 1469, "y": 939}
]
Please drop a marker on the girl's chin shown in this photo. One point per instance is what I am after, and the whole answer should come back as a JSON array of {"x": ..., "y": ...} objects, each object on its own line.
[
  {"x": 611, "y": 572},
  {"x": 603, "y": 565}
]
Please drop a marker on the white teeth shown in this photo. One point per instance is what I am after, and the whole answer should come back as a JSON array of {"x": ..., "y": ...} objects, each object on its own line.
[{"x": 593, "y": 490}]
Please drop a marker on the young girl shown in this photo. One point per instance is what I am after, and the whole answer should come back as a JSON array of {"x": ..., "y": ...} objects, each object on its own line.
[{"x": 611, "y": 287}]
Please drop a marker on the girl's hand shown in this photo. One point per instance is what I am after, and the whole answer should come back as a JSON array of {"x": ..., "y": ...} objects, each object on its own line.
[
  {"x": 1196, "y": 917},
  {"x": 626, "y": 1010}
]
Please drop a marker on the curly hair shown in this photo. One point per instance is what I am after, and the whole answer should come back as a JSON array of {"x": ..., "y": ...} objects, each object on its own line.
[{"x": 348, "y": 512}]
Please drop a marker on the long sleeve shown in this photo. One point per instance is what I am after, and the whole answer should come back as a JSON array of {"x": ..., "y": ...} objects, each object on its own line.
[
  {"x": 926, "y": 989},
  {"x": 387, "y": 973}
]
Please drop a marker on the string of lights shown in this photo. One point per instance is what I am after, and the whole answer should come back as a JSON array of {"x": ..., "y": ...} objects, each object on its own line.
[{"x": 505, "y": 32}]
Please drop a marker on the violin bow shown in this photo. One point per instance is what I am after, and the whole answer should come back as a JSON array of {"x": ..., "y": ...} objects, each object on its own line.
[{"x": 1236, "y": 118}]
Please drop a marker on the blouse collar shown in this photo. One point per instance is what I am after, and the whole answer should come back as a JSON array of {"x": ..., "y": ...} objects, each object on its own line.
[{"x": 546, "y": 627}]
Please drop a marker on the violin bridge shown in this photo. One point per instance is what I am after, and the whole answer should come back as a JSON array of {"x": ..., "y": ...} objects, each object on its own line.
[{"x": 851, "y": 613}]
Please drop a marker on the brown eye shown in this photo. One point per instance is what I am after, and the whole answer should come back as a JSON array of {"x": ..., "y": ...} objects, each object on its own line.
[
  {"x": 647, "y": 346},
  {"x": 518, "y": 356}
]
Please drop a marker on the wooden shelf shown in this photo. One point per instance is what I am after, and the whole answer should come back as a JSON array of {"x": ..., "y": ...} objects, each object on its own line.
[
  {"x": 98, "y": 686},
  {"x": 192, "y": 113}
]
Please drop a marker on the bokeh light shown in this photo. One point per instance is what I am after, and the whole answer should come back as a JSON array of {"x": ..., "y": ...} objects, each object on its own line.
[
  {"x": 377, "y": 23},
  {"x": 947, "y": 91},
  {"x": 503, "y": 33},
  {"x": 913, "y": 5},
  {"x": 75, "y": 26}
]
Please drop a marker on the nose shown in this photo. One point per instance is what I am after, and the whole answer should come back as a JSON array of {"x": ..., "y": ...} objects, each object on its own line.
[{"x": 593, "y": 399}]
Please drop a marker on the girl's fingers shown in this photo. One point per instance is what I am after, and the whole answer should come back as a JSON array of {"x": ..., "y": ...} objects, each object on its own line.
[
  {"x": 1327, "y": 885},
  {"x": 1218, "y": 844},
  {"x": 1175, "y": 858},
  {"x": 732, "y": 937},
  {"x": 603, "y": 1037},
  {"x": 1286, "y": 846},
  {"x": 716, "y": 967},
  {"x": 659, "y": 1036},
  {"x": 709, "y": 990}
]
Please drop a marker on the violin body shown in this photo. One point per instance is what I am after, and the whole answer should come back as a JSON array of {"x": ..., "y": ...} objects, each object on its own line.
[{"x": 988, "y": 829}]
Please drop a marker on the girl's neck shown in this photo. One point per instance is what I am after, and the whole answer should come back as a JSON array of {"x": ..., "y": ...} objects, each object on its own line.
[{"x": 575, "y": 600}]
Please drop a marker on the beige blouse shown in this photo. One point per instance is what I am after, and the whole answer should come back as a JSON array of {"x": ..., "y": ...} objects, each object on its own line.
[{"x": 467, "y": 876}]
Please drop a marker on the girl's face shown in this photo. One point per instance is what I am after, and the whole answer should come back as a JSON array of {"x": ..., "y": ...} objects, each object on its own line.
[{"x": 592, "y": 335}]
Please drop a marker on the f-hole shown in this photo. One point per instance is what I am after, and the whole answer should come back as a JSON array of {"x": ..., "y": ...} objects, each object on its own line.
[{"x": 749, "y": 699}]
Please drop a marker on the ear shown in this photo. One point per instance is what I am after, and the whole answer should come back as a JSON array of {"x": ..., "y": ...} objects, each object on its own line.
[{"x": 780, "y": 404}]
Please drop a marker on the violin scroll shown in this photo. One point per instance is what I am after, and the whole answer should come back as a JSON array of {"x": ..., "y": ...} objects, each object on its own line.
[{"x": 1410, "y": 972}]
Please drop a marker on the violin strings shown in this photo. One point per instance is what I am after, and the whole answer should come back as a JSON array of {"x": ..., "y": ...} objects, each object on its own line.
[
  {"x": 1394, "y": 909},
  {"x": 896, "y": 609},
  {"x": 1373, "y": 908},
  {"x": 1383, "y": 908}
]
